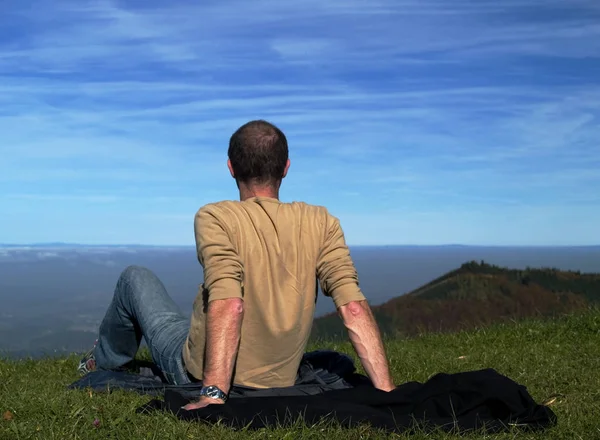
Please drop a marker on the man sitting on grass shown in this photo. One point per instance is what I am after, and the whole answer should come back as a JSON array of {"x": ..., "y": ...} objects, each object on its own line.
[{"x": 252, "y": 317}]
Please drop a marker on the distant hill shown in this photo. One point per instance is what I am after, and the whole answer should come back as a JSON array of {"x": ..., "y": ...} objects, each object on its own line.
[{"x": 477, "y": 294}]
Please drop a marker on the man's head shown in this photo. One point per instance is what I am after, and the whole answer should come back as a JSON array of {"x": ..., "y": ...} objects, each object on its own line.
[{"x": 258, "y": 154}]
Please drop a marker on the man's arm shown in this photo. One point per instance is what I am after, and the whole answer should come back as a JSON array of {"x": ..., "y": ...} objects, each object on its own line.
[
  {"x": 223, "y": 327},
  {"x": 339, "y": 279},
  {"x": 366, "y": 340},
  {"x": 223, "y": 281}
]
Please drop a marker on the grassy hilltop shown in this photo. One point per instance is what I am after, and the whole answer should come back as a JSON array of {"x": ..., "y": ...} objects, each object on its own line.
[
  {"x": 558, "y": 360},
  {"x": 540, "y": 327}
]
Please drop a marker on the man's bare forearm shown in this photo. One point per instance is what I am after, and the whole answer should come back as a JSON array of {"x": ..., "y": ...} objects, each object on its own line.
[
  {"x": 223, "y": 328},
  {"x": 366, "y": 340}
]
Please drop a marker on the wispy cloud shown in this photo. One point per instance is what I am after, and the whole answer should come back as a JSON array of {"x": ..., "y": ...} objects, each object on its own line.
[{"x": 423, "y": 105}]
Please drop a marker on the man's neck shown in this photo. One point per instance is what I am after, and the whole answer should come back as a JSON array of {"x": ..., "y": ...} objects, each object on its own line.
[{"x": 250, "y": 191}]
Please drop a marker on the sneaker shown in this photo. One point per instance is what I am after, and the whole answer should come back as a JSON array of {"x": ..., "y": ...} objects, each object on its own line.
[{"x": 87, "y": 364}]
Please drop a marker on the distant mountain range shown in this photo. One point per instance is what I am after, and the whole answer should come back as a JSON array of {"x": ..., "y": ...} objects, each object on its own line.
[
  {"x": 60, "y": 245},
  {"x": 477, "y": 294},
  {"x": 405, "y": 246}
]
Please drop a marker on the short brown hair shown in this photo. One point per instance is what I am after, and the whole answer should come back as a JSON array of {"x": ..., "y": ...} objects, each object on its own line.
[{"x": 258, "y": 152}]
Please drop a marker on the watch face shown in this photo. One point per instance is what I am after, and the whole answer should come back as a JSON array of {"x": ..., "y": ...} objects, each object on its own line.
[{"x": 213, "y": 392}]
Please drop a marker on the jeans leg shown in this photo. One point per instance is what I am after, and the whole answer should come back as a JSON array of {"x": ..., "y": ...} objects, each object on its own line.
[{"x": 140, "y": 307}]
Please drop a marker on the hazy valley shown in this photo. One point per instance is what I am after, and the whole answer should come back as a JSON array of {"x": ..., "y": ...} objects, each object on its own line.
[{"x": 52, "y": 297}]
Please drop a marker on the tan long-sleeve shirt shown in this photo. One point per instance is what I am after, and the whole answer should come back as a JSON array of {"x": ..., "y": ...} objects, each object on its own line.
[{"x": 270, "y": 254}]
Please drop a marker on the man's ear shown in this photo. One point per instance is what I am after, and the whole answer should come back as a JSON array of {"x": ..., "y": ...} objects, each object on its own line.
[
  {"x": 285, "y": 170},
  {"x": 230, "y": 168}
]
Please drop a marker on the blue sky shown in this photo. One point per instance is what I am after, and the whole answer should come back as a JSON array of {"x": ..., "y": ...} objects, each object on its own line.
[{"x": 414, "y": 121}]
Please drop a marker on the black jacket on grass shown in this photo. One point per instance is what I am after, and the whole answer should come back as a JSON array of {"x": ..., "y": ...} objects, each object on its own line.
[
  {"x": 475, "y": 400},
  {"x": 328, "y": 389}
]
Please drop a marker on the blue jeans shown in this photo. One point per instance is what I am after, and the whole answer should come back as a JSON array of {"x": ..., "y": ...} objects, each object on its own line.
[{"x": 140, "y": 307}]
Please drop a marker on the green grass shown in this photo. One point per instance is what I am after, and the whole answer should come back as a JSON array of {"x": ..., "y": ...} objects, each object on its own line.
[{"x": 559, "y": 357}]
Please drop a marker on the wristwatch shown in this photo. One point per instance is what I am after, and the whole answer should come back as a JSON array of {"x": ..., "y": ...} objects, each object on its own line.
[{"x": 213, "y": 392}]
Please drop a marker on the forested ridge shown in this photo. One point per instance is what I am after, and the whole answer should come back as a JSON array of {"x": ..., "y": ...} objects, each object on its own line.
[{"x": 475, "y": 295}]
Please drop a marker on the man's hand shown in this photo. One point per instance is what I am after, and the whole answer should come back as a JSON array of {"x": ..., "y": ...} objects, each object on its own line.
[
  {"x": 202, "y": 403},
  {"x": 366, "y": 340},
  {"x": 388, "y": 388}
]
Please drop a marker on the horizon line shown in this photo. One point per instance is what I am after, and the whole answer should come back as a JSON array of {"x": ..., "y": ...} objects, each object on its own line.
[{"x": 72, "y": 244}]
